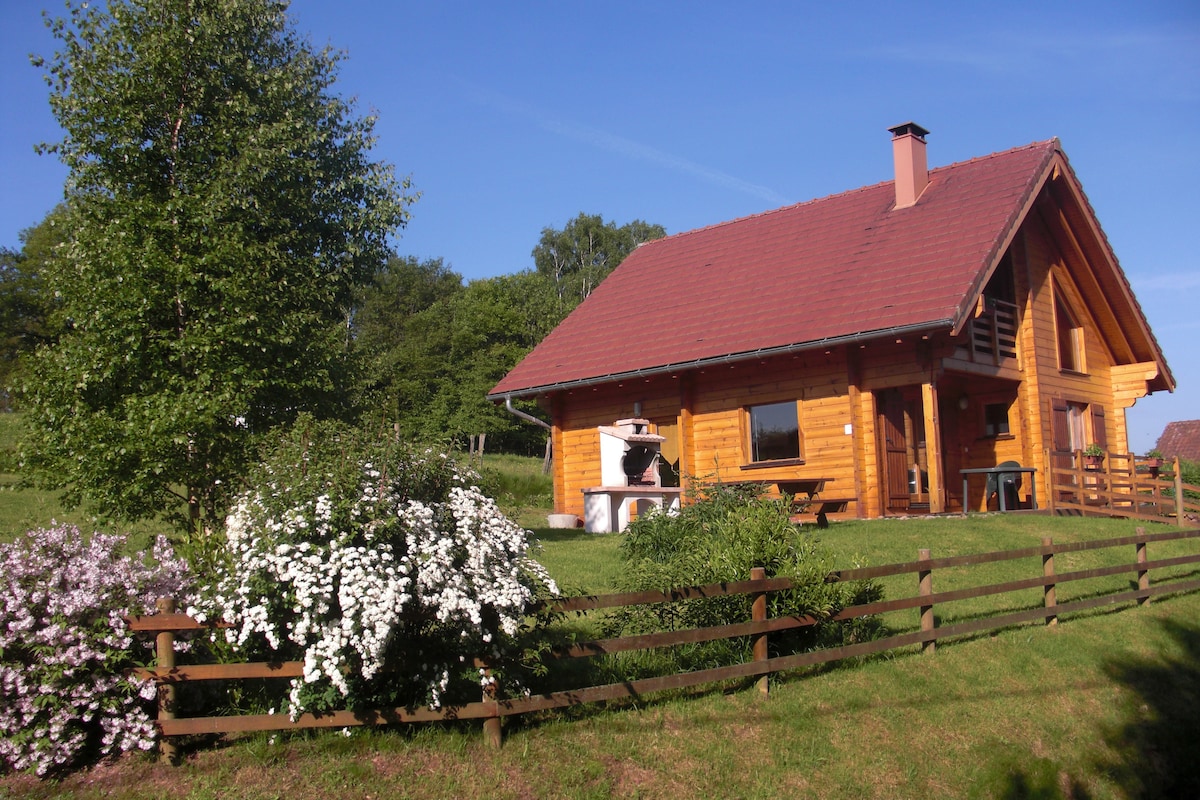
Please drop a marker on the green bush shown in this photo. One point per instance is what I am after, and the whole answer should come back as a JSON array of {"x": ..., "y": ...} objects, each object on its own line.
[{"x": 719, "y": 537}]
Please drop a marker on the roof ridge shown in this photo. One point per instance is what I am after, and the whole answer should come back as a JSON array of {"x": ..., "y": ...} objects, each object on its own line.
[
  {"x": 1052, "y": 142},
  {"x": 846, "y": 193}
]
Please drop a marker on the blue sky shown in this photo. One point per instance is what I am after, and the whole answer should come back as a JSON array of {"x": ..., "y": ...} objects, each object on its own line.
[{"x": 513, "y": 117}]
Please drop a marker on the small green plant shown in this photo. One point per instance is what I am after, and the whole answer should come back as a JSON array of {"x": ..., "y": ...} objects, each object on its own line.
[
  {"x": 1093, "y": 450},
  {"x": 1155, "y": 453},
  {"x": 720, "y": 537}
]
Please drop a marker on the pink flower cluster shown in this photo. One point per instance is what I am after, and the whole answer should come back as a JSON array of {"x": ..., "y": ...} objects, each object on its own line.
[{"x": 64, "y": 645}]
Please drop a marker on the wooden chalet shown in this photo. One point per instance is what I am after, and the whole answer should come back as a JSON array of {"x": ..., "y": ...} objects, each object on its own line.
[{"x": 877, "y": 341}]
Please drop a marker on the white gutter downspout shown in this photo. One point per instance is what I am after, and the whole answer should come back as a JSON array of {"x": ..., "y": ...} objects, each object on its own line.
[{"x": 516, "y": 412}]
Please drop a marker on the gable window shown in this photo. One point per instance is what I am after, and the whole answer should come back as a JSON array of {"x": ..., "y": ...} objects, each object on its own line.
[
  {"x": 1069, "y": 334},
  {"x": 774, "y": 432},
  {"x": 995, "y": 420}
]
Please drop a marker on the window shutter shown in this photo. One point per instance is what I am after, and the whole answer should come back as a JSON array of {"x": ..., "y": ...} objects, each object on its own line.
[
  {"x": 1099, "y": 436},
  {"x": 1060, "y": 424}
]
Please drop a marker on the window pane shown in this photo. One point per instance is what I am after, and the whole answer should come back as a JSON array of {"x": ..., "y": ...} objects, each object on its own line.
[
  {"x": 775, "y": 432},
  {"x": 995, "y": 419}
]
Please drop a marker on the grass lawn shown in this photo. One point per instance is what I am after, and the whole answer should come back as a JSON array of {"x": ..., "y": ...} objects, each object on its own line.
[{"x": 1104, "y": 705}]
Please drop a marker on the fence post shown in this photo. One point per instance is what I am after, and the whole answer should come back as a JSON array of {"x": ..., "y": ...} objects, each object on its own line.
[
  {"x": 926, "y": 589},
  {"x": 491, "y": 725},
  {"x": 1048, "y": 572},
  {"x": 164, "y": 645},
  {"x": 1178, "y": 494},
  {"x": 759, "y": 614},
  {"x": 1143, "y": 574}
]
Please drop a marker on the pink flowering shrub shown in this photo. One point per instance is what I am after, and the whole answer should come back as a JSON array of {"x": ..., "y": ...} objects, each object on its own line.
[
  {"x": 64, "y": 646},
  {"x": 383, "y": 569}
]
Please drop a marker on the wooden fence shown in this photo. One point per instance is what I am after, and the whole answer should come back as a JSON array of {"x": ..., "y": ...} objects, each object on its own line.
[
  {"x": 1121, "y": 485},
  {"x": 491, "y": 709}
]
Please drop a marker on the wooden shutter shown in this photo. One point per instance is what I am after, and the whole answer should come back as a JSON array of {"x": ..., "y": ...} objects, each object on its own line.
[
  {"x": 1061, "y": 425},
  {"x": 1099, "y": 436}
]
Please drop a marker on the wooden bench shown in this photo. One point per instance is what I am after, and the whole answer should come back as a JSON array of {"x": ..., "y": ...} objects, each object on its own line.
[
  {"x": 821, "y": 507},
  {"x": 806, "y": 495}
]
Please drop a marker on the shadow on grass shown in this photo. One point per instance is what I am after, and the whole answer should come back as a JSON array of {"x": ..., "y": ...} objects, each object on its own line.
[
  {"x": 1043, "y": 781},
  {"x": 1160, "y": 746}
]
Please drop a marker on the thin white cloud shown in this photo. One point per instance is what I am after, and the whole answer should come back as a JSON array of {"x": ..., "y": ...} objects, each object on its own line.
[
  {"x": 621, "y": 146},
  {"x": 1166, "y": 281}
]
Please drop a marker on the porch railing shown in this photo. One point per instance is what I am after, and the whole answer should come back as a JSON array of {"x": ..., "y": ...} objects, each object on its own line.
[{"x": 1120, "y": 485}]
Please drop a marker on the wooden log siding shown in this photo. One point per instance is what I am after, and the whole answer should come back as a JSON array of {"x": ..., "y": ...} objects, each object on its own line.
[{"x": 491, "y": 708}]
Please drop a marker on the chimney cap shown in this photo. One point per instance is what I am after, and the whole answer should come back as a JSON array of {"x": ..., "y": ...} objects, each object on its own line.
[{"x": 908, "y": 127}]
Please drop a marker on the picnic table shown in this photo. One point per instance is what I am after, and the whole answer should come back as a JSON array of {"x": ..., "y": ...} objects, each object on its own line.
[{"x": 807, "y": 498}]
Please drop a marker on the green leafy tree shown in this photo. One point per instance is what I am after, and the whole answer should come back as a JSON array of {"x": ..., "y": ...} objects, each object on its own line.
[
  {"x": 24, "y": 306},
  {"x": 431, "y": 370},
  {"x": 495, "y": 323},
  {"x": 392, "y": 336},
  {"x": 225, "y": 207},
  {"x": 582, "y": 254}
]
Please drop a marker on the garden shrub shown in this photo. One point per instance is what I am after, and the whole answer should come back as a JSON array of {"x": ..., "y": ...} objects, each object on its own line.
[
  {"x": 383, "y": 568},
  {"x": 65, "y": 646},
  {"x": 721, "y": 536}
]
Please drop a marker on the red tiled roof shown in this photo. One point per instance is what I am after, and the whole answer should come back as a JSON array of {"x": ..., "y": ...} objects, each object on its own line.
[
  {"x": 828, "y": 269},
  {"x": 1180, "y": 439}
]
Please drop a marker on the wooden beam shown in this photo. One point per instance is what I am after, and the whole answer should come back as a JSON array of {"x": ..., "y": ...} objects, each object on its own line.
[
  {"x": 687, "y": 432},
  {"x": 858, "y": 429},
  {"x": 933, "y": 448},
  {"x": 1131, "y": 382},
  {"x": 1091, "y": 292}
]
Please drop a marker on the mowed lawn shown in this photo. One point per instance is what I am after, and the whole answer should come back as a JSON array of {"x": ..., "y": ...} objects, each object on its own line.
[{"x": 1104, "y": 705}]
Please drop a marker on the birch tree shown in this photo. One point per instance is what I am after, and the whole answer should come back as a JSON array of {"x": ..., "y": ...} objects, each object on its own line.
[{"x": 225, "y": 206}]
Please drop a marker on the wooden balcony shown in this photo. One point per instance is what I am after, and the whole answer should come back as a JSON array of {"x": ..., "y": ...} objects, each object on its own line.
[{"x": 993, "y": 335}]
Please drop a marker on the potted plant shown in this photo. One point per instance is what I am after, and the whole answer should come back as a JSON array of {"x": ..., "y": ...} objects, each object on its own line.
[
  {"x": 1154, "y": 462},
  {"x": 1093, "y": 456}
]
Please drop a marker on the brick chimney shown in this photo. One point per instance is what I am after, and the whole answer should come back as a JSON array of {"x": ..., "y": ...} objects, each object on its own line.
[{"x": 912, "y": 172}]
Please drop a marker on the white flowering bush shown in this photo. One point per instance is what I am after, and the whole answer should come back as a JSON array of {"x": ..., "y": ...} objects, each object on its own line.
[
  {"x": 385, "y": 570},
  {"x": 65, "y": 644}
]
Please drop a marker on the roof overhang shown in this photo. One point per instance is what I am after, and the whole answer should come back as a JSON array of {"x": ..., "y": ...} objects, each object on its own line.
[{"x": 731, "y": 358}]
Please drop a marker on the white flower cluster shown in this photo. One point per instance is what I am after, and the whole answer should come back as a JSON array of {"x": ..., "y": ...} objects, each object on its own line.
[{"x": 343, "y": 588}]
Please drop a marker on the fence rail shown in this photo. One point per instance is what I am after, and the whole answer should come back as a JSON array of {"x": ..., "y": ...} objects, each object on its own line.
[
  {"x": 491, "y": 709},
  {"x": 1121, "y": 485}
]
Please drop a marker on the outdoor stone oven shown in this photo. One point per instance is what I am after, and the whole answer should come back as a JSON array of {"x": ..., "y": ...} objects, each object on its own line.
[
  {"x": 629, "y": 471},
  {"x": 629, "y": 454}
]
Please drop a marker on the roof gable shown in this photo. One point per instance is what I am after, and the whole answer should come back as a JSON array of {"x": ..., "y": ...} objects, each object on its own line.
[{"x": 839, "y": 268}]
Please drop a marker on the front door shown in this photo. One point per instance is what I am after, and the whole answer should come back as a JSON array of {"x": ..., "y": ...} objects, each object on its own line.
[{"x": 894, "y": 449}]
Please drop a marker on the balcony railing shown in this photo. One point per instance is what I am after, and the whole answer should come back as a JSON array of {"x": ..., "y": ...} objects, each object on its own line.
[{"x": 994, "y": 334}]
